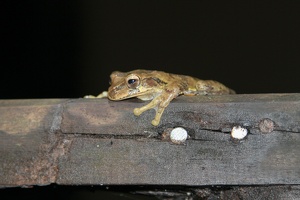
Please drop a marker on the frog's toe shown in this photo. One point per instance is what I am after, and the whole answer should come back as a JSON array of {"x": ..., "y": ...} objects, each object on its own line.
[
  {"x": 137, "y": 112},
  {"x": 89, "y": 96},
  {"x": 155, "y": 122}
]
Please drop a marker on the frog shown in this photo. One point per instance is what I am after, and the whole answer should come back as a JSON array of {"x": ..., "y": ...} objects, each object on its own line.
[{"x": 158, "y": 86}]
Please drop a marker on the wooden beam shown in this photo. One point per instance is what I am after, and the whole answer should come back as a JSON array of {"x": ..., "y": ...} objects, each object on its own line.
[{"x": 97, "y": 141}]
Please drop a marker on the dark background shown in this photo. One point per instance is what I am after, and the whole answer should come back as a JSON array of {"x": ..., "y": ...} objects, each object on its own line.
[{"x": 67, "y": 49}]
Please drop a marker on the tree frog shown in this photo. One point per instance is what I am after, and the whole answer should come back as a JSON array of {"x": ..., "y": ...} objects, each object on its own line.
[{"x": 159, "y": 87}]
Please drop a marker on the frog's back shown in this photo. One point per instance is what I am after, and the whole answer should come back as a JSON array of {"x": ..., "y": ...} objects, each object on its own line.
[
  {"x": 188, "y": 85},
  {"x": 194, "y": 86}
]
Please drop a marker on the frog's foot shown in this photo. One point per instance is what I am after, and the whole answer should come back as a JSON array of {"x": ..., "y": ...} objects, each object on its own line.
[
  {"x": 89, "y": 96},
  {"x": 102, "y": 95},
  {"x": 155, "y": 122}
]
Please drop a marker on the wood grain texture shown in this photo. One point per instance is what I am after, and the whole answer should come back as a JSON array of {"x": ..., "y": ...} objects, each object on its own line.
[{"x": 97, "y": 141}]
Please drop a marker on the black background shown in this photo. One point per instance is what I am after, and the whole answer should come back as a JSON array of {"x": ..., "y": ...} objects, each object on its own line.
[{"x": 67, "y": 49}]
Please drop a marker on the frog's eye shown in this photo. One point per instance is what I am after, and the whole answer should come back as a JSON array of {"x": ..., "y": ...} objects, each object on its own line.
[{"x": 132, "y": 81}]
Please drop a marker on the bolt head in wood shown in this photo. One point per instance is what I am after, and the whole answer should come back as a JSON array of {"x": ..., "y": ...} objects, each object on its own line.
[{"x": 266, "y": 125}]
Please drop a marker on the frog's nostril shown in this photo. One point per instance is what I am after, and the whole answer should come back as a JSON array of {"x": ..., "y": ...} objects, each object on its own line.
[{"x": 111, "y": 95}]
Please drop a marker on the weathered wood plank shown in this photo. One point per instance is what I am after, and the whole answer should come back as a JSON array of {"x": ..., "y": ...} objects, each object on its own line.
[
  {"x": 201, "y": 112},
  {"x": 27, "y": 140},
  {"x": 272, "y": 159},
  {"x": 97, "y": 141}
]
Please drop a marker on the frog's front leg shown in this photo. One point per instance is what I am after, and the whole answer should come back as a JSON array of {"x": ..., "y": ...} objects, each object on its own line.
[
  {"x": 155, "y": 103},
  {"x": 159, "y": 104}
]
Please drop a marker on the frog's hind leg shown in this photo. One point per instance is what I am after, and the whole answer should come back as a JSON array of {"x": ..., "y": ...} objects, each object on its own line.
[
  {"x": 212, "y": 87},
  {"x": 101, "y": 95}
]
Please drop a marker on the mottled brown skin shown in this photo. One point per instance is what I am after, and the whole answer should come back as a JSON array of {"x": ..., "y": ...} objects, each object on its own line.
[{"x": 160, "y": 87}]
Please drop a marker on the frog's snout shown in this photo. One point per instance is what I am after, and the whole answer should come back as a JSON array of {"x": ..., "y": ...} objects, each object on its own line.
[{"x": 111, "y": 94}]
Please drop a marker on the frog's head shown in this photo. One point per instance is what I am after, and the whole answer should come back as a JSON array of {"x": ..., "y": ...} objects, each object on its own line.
[{"x": 137, "y": 83}]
